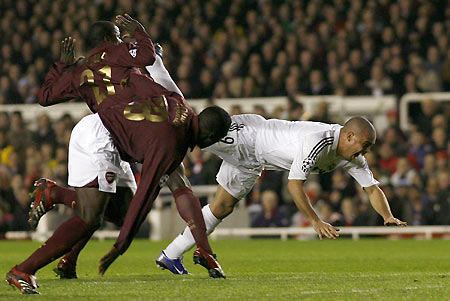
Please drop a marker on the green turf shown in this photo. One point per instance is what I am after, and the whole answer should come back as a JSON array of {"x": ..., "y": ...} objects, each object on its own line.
[{"x": 256, "y": 269}]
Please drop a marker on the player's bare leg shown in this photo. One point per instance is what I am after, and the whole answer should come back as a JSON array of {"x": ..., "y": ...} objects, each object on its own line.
[{"x": 223, "y": 204}]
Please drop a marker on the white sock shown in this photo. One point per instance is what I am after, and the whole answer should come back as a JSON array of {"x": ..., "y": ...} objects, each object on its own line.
[
  {"x": 185, "y": 241},
  {"x": 161, "y": 76}
]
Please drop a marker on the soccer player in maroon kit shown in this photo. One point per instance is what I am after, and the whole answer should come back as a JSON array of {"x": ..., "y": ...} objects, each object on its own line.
[{"x": 148, "y": 124}]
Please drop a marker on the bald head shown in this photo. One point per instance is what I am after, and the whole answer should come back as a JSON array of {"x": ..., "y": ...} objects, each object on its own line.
[
  {"x": 361, "y": 126},
  {"x": 356, "y": 137}
]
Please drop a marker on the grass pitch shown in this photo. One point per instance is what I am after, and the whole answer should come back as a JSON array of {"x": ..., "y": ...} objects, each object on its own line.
[{"x": 256, "y": 269}]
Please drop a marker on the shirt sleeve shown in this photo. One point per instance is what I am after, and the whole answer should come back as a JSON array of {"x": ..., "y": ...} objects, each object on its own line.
[
  {"x": 311, "y": 148},
  {"x": 132, "y": 55},
  {"x": 359, "y": 170},
  {"x": 57, "y": 86}
]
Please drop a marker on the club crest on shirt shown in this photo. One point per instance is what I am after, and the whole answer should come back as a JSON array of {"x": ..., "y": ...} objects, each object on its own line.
[{"x": 110, "y": 176}]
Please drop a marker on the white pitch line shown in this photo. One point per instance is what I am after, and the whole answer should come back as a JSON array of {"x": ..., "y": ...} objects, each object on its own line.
[{"x": 366, "y": 290}]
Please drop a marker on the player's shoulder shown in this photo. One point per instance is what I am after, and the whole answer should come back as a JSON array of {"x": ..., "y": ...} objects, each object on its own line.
[
  {"x": 317, "y": 131},
  {"x": 248, "y": 119}
]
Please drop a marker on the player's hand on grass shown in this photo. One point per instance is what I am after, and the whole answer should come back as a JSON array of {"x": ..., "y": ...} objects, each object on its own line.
[
  {"x": 67, "y": 51},
  {"x": 325, "y": 229},
  {"x": 394, "y": 221},
  {"x": 106, "y": 260},
  {"x": 127, "y": 24}
]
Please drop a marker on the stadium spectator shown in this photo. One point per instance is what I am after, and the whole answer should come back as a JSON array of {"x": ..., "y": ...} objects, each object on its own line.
[
  {"x": 437, "y": 206},
  {"x": 418, "y": 149},
  {"x": 271, "y": 215},
  {"x": 404, "y": 173},
  {"x": 388, "y": 158},
  {"x": 413, "y": 210},
  {"x": 44, "y": 132},
  {"x": 18, "y": 135}
]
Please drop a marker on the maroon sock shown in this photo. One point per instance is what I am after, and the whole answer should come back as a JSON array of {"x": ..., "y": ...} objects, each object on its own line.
[
  {"x": 189, "y": 208},
  {"x": 69, "y": 233},
  {"x": 62, "y": 195},
  {"x": 72, "y": 256}
]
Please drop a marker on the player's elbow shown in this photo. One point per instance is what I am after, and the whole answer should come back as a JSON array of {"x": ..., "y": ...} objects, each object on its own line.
[
  {"x": 44, "y": 99},
  {"x": 295, "y": 186},
  {"x": 147, "y": 60}
]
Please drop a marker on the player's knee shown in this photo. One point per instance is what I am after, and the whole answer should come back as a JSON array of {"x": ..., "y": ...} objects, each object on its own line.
[
  {"x": 222, "y": 209},
  {"x": 176, "y": 181}
]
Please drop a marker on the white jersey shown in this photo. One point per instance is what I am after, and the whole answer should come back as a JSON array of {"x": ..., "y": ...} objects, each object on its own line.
[{"x": 300, "y": 147}]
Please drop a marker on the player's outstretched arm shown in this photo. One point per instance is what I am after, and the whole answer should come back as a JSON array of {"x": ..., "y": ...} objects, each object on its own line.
[
  {"x": 295, "y": 188},
  {"x": 380, "y": 204}
]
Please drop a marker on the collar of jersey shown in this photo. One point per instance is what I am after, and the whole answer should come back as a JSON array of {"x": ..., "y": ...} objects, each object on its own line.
[
  {"x": 337, "y": 132},
  {"x": 102, "y": 47}
]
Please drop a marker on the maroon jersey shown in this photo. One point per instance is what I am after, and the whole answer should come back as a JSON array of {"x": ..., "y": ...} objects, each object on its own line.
[{"x": 148, "y": 123}]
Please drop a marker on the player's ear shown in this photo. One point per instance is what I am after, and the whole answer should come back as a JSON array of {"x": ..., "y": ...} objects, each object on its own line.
[{"x": 350, "y": 136}]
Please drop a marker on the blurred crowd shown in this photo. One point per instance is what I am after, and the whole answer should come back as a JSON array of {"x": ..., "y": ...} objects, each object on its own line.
[
  {"x": 25, "y": 156},
  {"x": 247, "y": 48},
  {"x": 220, "y": 49}
]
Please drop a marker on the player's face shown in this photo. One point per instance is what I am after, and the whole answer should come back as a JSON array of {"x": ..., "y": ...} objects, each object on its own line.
[
  {"x": 358, "y": 145},
  {"x": 116, "y": 36}
]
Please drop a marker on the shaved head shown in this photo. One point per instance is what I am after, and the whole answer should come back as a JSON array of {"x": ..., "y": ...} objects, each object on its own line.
[
  {"x": 356, "y": 138},
  {"x": 361, "y": 127}
]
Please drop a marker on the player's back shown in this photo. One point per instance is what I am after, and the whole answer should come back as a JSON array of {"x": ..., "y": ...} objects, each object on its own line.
[
  {"x": 128, "y": 101},
  {"x": 102, "y": 83},
  {"x": 279, "y": 141}
]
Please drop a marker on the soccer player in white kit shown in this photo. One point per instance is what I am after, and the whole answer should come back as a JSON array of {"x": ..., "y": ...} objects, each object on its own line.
[{"x": 300, "y": 147}]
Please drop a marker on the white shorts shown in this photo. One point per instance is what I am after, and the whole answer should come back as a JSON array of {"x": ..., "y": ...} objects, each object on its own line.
[
  {"x": 235, "y": 181},
  {"x": 93, "y": 155}
]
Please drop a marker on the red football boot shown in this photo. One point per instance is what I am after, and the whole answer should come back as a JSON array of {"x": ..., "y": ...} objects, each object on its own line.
[
  {"x": 27, "y": 284},
  {"x": 41, "y": 203},
  {"x": 65, "y": 269},
  {"x": 209, "y": 262}
]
